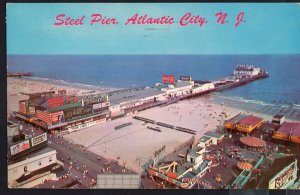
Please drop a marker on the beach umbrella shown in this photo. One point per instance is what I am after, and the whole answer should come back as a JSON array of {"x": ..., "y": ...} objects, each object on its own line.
[{"x": 244, "y": 165}]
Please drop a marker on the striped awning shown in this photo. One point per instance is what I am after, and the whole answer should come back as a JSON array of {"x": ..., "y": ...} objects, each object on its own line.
[{"x": 244, "y": 165}]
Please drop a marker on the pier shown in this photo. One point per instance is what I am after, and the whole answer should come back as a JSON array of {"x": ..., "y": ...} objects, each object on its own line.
[
  {"x": 241, "y": 76},
  {"x": 228, "y": 83},
  {"x": 19, "y": 74}
]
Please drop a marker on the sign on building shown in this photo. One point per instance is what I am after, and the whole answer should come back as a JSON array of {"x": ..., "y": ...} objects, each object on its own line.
[
  {"x": 170, "y": 79},
  {"x": 105, "y": 104},
  {"x": 186, "y": 78},
  {"x": 93, "y": 99},
  {"x": 57, "y": 117},
  {"x": 77, "y": 112},
  {"x": 72, "y": 99},
  {"x": 20, "y": 147},
  {"x": 38, "y": 139},
  {"x": 285, "y": 177},
  {"x": 55, "y": 101},
  {"x": 97, "y": 106}
]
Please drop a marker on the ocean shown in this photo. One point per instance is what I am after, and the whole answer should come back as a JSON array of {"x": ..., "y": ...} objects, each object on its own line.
[{"x": 126, "y": 71}]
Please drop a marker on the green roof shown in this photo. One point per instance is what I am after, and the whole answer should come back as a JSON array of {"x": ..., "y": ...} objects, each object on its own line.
[
  {"x": 193, "y": 152},
  {"x": 213, "y": 134},
  {"x": 204, "y": 138},
  {"x": 64, "y": 107}
]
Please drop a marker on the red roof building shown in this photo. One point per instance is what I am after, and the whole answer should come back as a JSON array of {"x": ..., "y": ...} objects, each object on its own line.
[
  {"x": 244, "y": 123},
  {"x": 288, "y": 131},
  {"x": 253, "y": 142},
  {"x": 249, "y": 123}
]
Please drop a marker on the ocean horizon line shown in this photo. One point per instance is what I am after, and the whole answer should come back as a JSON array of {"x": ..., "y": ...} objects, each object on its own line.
[{"x": 286, "y": 54}]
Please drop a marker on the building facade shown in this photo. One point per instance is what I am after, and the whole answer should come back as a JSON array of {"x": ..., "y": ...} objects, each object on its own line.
[
  {"x": 285, "y": 177},
  {"x": 52, "y": 111},
  {"x": 35, "y": 169}
]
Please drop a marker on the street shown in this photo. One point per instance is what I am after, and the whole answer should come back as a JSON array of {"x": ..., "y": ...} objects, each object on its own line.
[{"x": 82, "y": 165}]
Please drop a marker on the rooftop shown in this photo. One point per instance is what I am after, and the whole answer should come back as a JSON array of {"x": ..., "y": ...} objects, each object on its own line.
[
  {"x": 201, "y": 82},
  {"x": 54, "y": 168},
  {"x": 37, "y": 101},
  {"x": 39, "y": 94},
  {"x": 253, "y": 141},
  {"x": 193, "y": 152},
  {"x": 236, "y": 118},
  {"x": 278, "y": 116},
  {"x": 213, "y": 134},
  {"x": 177, "y": 85},
  {"x": 131, "y": 95},
  {"x": 35, "y": 153},
  {"x": 183, "y": 168},
  {"x": 204, "y": 138},
  {"x": 290, "y": 128},
  {"x": 250, "y": 120}
]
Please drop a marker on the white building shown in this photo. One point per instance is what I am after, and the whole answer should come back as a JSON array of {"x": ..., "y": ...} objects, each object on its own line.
[
  {"x": 202, "y": 87},
  {"x": 195, "y": 155},
  {"x": 278, "y": 119},
  {"x": 215, "y": 137},
  {"x": 35, "y": 169},
  {"x": 180, "y": 88},
  {"x": 246, "y": 70},
  {"x": 205, "y": 141},
  {"x": 126, "y": 99}
]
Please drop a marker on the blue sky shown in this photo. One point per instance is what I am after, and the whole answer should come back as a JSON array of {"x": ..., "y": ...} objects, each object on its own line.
[{"x": 269, "y": 29}]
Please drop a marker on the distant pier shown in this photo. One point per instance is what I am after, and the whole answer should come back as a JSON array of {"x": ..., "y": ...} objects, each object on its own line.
[{"x": 19, "y": 74}]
